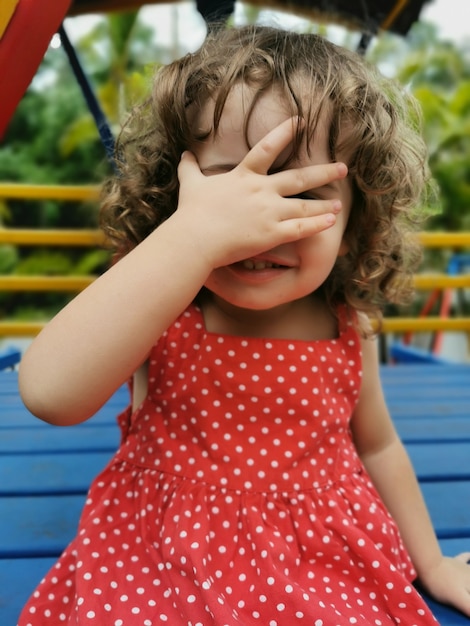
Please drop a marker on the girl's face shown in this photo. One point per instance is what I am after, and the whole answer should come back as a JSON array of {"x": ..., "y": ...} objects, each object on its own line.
[{"x": 301, "y": 267}]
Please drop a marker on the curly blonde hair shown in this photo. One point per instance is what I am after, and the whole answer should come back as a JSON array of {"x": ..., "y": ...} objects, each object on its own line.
[{"x": 387, "y": 166}]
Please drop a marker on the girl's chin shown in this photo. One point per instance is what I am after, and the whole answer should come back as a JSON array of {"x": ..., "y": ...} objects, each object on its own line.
[{"x": 247, "y": 303}]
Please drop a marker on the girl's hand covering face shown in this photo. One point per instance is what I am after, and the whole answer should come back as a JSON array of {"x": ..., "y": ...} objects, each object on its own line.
[{"x": 245, "y": 211}]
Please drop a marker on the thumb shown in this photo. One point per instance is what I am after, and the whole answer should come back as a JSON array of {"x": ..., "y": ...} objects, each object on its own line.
[
  {"x": 188, "y": 166},
  {"x": 464, "y": 557}
]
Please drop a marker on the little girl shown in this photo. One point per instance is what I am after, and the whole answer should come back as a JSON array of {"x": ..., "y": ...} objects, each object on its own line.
[{"x": 259, "y": 222}]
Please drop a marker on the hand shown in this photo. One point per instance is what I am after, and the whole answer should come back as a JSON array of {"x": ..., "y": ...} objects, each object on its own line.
[
  {"x": 449, "y": 582},
  {"x": 243, "y": 212}
]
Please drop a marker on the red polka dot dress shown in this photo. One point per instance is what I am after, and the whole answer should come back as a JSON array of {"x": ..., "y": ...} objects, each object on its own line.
[{"x": 236, "y": 497}]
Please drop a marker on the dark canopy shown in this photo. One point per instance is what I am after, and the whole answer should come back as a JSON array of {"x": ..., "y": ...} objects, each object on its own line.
[{"x": 365, "y": 15}]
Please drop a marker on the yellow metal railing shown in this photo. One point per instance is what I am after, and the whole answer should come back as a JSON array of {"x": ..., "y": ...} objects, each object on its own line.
[
  {"x": 45, "y": 237},
  {"x": 68, "y": 193},
  {"x": 429, "y": 281},
  {"x": 92, "y": 238},
  {"x": 29, "y": 237}
]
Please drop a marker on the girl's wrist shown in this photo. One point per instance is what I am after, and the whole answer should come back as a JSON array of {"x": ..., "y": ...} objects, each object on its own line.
[{"x": 180, "y": 242}]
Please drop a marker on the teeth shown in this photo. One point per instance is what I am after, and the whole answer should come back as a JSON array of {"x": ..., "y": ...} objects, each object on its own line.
[{"x": 258, "y": 265}]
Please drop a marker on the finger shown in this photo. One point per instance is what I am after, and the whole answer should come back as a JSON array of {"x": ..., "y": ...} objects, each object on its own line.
[
  {"x": 292, "y": 208},
  {"x": 464, "y": 557},
  {"x": 263, "y": 154},
  {"x": 462, "y": 601},
  {"x": 188, "y": 166},
  {"x": 299, "y": 180},
  {"x": 295, "y": 229}
]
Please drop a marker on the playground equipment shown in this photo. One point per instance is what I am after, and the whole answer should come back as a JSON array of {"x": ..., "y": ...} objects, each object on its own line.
[{"x": 441, "y": 297}]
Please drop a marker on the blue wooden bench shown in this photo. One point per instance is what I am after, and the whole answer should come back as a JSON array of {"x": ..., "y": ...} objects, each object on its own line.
[{"x": 45, "y": 471}]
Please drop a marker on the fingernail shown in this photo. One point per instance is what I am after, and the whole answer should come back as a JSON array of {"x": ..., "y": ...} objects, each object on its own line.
[
  {"x": 330, "y": 218},
  {"x": 336, "y": 206},
  {"x": 342, "y": 168}
]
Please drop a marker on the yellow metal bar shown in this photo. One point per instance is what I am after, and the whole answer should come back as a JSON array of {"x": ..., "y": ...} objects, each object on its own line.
[
  {"x": 49, "y": 192},
  {"x": 95, "y": 237},
  {"x": 441, "y": 281},
  {"x": 395, "y": 325},
  {"x": 37, "y": 237},
  {"x": 425, "y": 324},
  {"x": 444, "y": 240},
  {"x": 20, "y": 329},
  {"x": 45, "y": 283},
  {"x": 72, "y": 283}
]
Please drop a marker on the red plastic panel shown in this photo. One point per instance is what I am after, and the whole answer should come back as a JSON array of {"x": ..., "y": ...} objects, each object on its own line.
[{"x": 22, "y": 48}]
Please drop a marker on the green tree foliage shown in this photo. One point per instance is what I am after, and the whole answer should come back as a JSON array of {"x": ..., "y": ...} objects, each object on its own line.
[
  {"x": 438, "y": 73},
  {"x": 52, "y": 139}
]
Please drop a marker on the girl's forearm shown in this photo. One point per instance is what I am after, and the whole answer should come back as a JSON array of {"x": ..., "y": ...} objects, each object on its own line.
[
  {"x": 393, "y": 475},
  {"x": 99, "y": 339}
]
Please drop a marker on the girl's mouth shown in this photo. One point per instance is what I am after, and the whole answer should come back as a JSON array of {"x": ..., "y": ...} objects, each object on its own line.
[
  {"x": 257, "y": 270},
  {"x": 251, "y": 264}
]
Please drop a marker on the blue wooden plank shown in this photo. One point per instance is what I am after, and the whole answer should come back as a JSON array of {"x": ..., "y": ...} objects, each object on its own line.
[
  {"x": 422, "y": 394},
  {"x": 455, "y": 545},
  {"x": 37, "y": 526},
  {"x": 401, "y": 353},
  {"x": 429, "y": 429},
  {"x": 428, "y": 396},
  {"x": 8, "y": 382},
  {"x": 415, "y": 378},
  {"x": 60, "y": 473},
  {"x": 51, "y": 439},
  {"x": 425, "y": 377},
  {"x": 449, "y": 506},
  {"x": 18, "y": 579},
  {"x": 438, "y": 409},
  {"x": 440, "y": 461},
  {"x": 420, "y": 372}
]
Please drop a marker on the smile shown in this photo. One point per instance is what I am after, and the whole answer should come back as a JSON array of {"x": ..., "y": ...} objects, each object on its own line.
[{"x": 249, "y": 264}]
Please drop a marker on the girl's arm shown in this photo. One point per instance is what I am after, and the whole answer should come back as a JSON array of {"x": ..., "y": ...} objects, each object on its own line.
[
  {"x": 98, "y": 340},
  {"x": 390, "y": 469}
]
